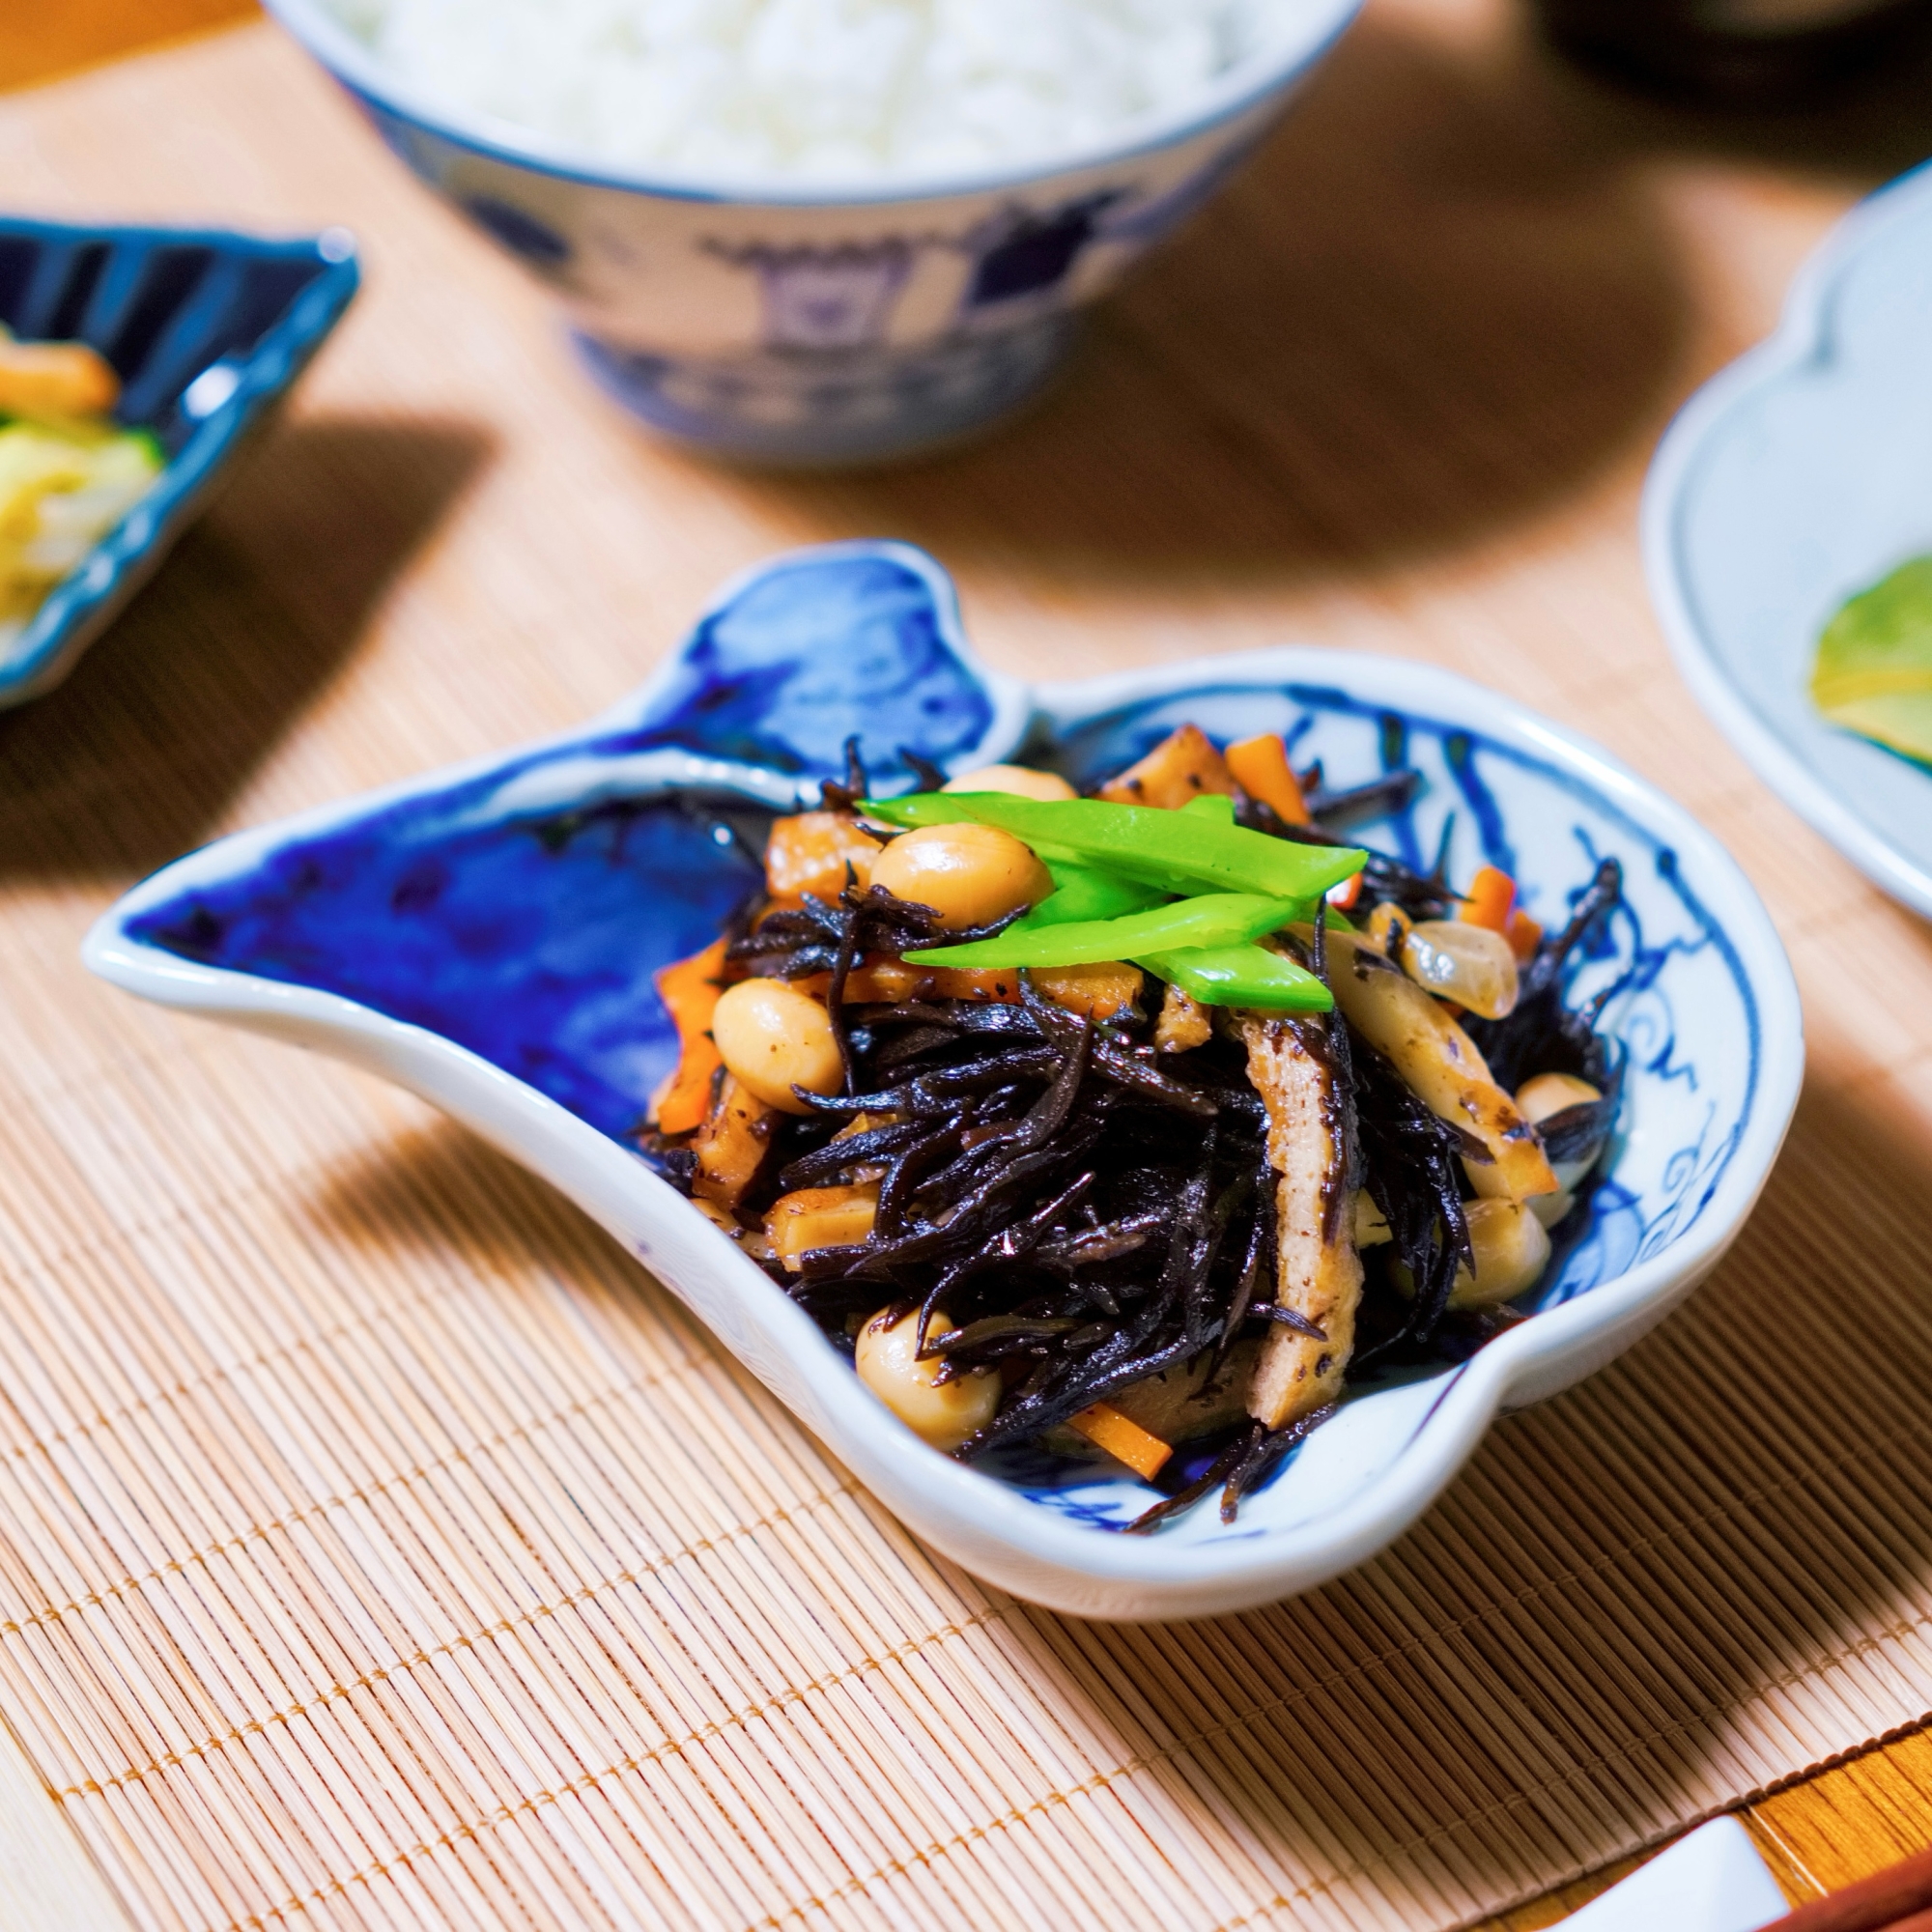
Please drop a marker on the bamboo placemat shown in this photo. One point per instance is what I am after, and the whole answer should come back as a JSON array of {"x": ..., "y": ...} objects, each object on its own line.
[{"x": 379, "y": 1548}]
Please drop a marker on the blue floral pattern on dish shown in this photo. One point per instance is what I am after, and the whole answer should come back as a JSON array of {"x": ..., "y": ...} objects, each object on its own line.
[{"x": 521, "y": 911}]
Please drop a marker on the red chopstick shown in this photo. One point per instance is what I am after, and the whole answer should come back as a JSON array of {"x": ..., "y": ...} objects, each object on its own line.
[{"x": 1897, "y": 1899}]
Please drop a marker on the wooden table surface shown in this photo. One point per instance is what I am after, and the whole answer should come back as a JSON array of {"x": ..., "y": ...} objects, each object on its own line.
[{"x": 1795, "y": 172}]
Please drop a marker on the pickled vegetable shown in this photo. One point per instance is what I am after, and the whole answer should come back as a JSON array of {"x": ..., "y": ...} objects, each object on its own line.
[{"x": 1873, "y": 671}]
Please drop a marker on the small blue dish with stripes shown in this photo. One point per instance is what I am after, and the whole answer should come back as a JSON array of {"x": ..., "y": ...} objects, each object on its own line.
[{"x": 207, "y": 330}]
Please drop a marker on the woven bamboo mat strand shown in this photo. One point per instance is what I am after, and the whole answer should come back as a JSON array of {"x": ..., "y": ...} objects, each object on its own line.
[
  {"x": 380, "y": 1548},
  {"x": 48, "y": 1881}
]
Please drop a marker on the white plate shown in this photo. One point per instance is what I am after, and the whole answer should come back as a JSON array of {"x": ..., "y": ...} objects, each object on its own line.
[{"x": 1799, "y": 476}]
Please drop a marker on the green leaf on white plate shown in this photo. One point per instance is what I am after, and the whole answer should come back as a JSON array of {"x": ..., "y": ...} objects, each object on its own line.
[{"x": 1873, "y": 672}]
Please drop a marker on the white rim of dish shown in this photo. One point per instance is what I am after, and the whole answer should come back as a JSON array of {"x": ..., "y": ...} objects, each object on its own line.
[
  {"x": 1804, "y": 335},
  {"x": 958, "y": 1507},
  {"x": 1245, "y": 86}
]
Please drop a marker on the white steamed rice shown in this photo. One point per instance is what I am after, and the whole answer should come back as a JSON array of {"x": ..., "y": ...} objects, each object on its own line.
[{"x": 821, "y": 90}]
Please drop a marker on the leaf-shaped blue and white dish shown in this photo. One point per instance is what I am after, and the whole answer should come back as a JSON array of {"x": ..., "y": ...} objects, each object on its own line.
[
  {"x": 207, "y": 330},
  {"x": 487, "y": 937},
  {"x": 1798, "y": 477}
]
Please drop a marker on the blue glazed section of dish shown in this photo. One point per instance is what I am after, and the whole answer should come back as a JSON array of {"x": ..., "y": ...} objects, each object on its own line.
[
  {"x": 206, "y": 330},
  {"x": 531, "y": 944},
  {"x": 810, "y": 653},
  {"x": 530, "y": 936}
]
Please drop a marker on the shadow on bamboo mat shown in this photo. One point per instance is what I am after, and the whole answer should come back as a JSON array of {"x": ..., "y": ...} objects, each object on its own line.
[
  {"x": 1426, "y": 311},
  {"x": 1442, "y": 299},
  {"x": 134, "y": 759}
]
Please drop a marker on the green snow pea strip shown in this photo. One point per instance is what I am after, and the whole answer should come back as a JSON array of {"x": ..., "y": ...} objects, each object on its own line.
[
  {"x": 1214, "y": 806},
  {"x": 1240, "y": 975},
  {"x": 1215, "y": 919},
  {"x": 1084, "y": 893},
  {"x": 1177, "y": 851}
]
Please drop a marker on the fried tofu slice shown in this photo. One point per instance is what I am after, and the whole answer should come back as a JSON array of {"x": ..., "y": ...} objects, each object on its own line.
[
  {"x": 1182, "y": 766},
  {"x": 821, "y": 1217},
  {"x": 1100, "y": 990},
  {"x": 1319, "y": 1273},
  {"x": 1190, "y": 1400},
  {"x": 731, "y": 1144},
  {"x": 1421, "y": 1041},
  {"x": 1184, "y": 1023}
]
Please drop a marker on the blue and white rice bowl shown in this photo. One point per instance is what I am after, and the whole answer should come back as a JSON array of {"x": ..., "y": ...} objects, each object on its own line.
[
  {"x": 486, "y": 935},
  {"x": 795, "y": 323}
]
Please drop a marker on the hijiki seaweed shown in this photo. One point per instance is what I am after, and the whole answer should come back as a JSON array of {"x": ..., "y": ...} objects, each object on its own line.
[{"x": 1106, "y": 1217}]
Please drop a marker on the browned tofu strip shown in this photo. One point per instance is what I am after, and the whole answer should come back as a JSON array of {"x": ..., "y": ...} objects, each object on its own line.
[
  {"x": 1440, "y": 1060},
  {"x": 731, "y": 1146},
  {"x": 1190, "y": 1400},
  {"x": 1319, "y": 1275},
  {"x": 1184, "y": 1023}
]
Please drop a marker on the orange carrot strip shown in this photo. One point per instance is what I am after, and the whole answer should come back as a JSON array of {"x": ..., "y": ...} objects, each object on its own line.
[
  {"x": 1524, "y": 936},
  {"x": 689, "y": 989},
  {"x": 1344, "y": 896},
  {"x": 1106, "y": 1428},
  {"x": 1491, "y": 901},
  {"x": 1262, "y": 770},
  {"x": 55, "y": 379}
]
